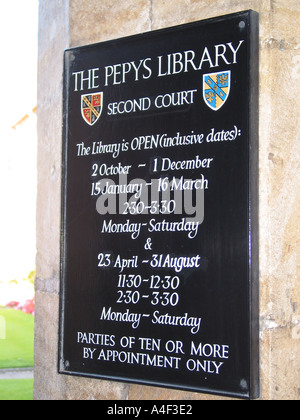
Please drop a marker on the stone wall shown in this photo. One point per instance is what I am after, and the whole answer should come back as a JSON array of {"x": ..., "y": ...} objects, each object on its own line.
[{"x": 69, "y": 23}]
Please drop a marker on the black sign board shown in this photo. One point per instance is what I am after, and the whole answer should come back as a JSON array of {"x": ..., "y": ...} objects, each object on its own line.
[{"x": 159, "y": 279}]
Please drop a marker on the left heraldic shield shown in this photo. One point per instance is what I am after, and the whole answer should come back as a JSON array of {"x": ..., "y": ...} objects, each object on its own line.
[
  {"x": 91, "y": 107},
  {"x": 216, "y": 89}
]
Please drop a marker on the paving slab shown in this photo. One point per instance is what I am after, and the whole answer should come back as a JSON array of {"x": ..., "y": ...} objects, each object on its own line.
[{"x": 26, "y": 373}]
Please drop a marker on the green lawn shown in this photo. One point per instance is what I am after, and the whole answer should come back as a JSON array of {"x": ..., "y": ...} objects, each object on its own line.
[
  {"x": 16, "y": 350},
  {"x": 17, "y": 390}
]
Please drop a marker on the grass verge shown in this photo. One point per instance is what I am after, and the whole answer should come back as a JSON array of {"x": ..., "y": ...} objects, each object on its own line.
[
  {"x": 16, "y": 390},
  {"x": 16, "y": 344}
]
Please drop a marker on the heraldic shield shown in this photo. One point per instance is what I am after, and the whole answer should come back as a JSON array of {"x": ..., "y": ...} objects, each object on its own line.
[
  {"x": 216, "y": 89},
  {"x": 91, "y": 107}
]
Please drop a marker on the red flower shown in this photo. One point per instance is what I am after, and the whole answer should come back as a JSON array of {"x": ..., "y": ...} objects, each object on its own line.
[
  {"x": 12, "y": 304},
  {"x": 29, "y": 306}
]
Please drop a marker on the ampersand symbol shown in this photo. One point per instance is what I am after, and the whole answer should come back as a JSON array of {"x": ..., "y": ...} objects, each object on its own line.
[{"x": 148, "y": 246}]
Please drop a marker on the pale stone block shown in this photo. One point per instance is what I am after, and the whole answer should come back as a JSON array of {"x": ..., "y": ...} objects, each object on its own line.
[
  {"x": 94, "y": 21},
  {"x": 166, "y": 13}
]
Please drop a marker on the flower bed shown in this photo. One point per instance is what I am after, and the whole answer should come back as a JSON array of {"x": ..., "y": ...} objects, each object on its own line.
[{"x": 28, "y": 307}]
